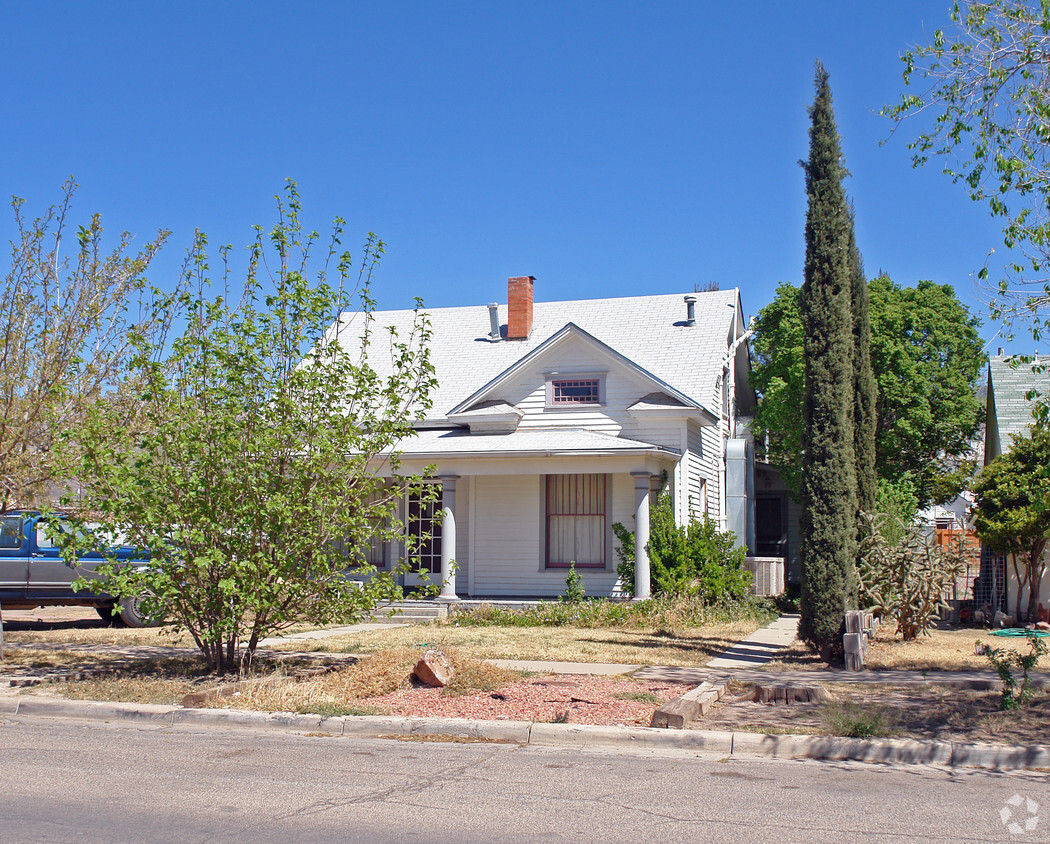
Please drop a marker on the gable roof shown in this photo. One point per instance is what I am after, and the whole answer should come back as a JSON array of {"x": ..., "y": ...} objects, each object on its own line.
[
  {"x": 648, "y": 331},
  {"x": 570, "y": 330},
  {"x": 1009, "y": 409}
]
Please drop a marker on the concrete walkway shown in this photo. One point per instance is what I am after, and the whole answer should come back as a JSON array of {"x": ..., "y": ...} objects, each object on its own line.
[
  {"x": 314, "y": 635},
  {"x": 761, "y": 646}
]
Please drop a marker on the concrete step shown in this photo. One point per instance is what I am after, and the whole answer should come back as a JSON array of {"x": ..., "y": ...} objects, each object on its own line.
[{"x": 409, "y": 612}]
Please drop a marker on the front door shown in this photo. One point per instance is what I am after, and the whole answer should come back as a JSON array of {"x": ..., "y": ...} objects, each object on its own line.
[
  {"x": 423, "y": 526},
  {"x": 770, "y": 526}
]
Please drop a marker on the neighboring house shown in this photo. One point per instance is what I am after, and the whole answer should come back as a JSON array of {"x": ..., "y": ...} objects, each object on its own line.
[
  {"x": 551, "y": 421},
  {"x": 1010, "y": 398}
]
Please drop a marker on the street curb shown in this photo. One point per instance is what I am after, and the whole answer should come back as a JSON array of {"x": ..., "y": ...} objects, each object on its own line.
[
  {"x": 834, "y": 748},
  {"x": 638, "y": 738},
  {"x": 94, "y": 710},
  {"x": 738, "y": 744}
]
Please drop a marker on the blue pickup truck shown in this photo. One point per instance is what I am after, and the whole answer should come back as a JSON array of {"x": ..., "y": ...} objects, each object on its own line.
[{"x": 33, "y": 573}]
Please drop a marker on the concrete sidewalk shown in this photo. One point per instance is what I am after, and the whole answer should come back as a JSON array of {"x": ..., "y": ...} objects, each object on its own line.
[
  {"x": 525, "y": 733},
  {"x": 761, "y": 646},
  {"x": 742, "y": 660}
]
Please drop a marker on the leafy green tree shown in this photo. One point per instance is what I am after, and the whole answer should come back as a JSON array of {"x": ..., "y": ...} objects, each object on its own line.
[
  {"x": 898, "y": 502},
  {"x": 1012, "y": 514},
  {"x": 981, "y": 88},
  {"x": 65, "y": 313},
  {"x": 927, "y": 359},
  {"x": 251, "y": 473},
  {"x": 779, "y": 376},
  {"x": 828, "y": 492}
]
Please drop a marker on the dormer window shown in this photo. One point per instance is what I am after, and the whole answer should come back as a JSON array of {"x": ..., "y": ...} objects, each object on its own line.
[
  {"x": 586, "y": 391},
  {"x": 574, "y": 390}
]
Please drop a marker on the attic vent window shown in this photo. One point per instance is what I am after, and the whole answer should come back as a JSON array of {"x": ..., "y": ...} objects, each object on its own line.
[{"x": 578, "y": 391}]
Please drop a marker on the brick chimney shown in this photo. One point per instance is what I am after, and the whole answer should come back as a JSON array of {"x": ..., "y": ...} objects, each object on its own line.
[{"x": 519, "y": 307}]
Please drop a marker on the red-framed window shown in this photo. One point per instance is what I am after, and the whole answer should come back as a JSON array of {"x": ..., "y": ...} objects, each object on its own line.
[
  {"x": 576, "y": 391},
  {"x": 576, "y": 520}
]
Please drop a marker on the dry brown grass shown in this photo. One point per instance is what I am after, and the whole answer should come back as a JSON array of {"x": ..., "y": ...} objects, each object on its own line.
[
  {"x": 692, "y": 646},
  {"x": 159, "y": 680},
  {"x": 124, "y": 689},
  {"x": 82, "y": 626},
  {"x": 941, "y": 650},
  {"x": 93, "y": 633},
  {"x": 380, "y": 674},
  {"x": 914, "y": 710},
  {"x": 31, "y": 658}
]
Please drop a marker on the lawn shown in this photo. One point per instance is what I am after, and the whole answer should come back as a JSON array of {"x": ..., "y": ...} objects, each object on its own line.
[
  {"x": 692, "y": 646},
  {"x": 941, "y": 650},
  {"x": 912, "y": 710}
]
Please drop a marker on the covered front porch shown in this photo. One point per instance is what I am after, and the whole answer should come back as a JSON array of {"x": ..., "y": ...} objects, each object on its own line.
[{"x": 515, "y": 510}]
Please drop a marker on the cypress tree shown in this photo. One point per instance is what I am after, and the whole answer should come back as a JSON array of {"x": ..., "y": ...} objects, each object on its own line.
[
  {"x": 865, "y": 386},
  {"x": 829, "y": 486}
]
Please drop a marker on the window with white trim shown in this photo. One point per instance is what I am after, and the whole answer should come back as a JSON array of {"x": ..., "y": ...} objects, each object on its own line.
[{"x": 576, "y": 520}]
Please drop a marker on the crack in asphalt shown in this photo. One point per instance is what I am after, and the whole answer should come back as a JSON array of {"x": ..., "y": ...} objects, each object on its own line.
[{"x": 416, "y": 785}]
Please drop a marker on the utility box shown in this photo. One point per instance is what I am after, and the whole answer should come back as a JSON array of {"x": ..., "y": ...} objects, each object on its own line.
[{"x": 767, "y": 575}]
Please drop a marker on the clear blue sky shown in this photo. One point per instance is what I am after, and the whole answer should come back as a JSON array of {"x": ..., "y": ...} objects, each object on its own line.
[{"x": 607, "y": 148}]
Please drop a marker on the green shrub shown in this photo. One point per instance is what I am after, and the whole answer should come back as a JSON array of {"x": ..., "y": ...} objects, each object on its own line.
[
  {"x": 694, "y": 560},
  {"x": 1006, "y": 662},
  {"x": 574, "y": 591},
  {"x": 661, "y": 611}
]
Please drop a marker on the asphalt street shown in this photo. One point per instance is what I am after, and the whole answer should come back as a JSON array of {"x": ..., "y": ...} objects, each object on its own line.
[{"x": 66, "y": 781}]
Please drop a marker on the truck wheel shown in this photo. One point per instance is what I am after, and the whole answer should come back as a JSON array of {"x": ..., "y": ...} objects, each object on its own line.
[
  {"x": 133, "y": 614},
  {"x": 109, "y": 613}
]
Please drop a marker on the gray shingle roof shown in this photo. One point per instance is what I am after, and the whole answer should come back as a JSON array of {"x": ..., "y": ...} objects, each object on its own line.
[
  {"x": 650, "y": 330},
  {"x": 1008, "y": 388}
]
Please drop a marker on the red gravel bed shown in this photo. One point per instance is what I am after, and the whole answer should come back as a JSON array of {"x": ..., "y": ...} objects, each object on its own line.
[{"x": 584, "y": 699}]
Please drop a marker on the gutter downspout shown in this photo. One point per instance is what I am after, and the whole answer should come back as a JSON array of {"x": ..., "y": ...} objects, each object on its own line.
[{"x": 727, "y": 363}]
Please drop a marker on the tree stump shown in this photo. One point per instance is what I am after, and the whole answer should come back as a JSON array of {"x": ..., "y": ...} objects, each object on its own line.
[{"x": 788, "y": 693}]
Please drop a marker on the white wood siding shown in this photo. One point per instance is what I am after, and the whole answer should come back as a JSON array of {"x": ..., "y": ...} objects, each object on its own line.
[
  {"x": 528, "y": 390},
  {"x": 507, "y": 532},
  {"x": 705, "y": 466}
]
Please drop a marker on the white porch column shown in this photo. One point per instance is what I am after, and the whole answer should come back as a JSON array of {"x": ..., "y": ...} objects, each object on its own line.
[
  {"x": 448, "y": 537},
  {"x": 642, "y": 481}
]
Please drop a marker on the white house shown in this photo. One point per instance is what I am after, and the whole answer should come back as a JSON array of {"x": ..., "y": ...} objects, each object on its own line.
[
  {"x": 1013, "y": 389},
  {"x": 551, "y": 421}
]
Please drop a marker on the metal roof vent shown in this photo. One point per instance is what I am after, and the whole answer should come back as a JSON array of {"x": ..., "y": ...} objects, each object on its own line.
[
  {"x": 690, "y": 310},
  {"x": 494, "y": 334}
]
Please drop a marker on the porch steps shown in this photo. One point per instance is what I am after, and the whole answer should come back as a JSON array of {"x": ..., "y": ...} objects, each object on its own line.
[{"x": 410, "y": 612}]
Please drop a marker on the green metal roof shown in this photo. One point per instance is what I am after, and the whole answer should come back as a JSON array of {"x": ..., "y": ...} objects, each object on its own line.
[{"x": 1009, "y": 408}]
